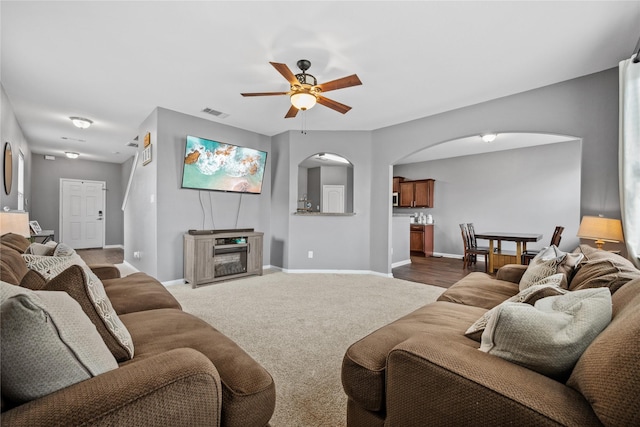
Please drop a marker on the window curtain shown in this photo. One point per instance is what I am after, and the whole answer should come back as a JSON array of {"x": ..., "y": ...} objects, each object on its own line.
[{"x": 629, "y": 155}]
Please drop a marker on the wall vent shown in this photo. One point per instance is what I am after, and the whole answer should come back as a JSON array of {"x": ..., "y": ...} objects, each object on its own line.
[{"x": 216, "y": 113}]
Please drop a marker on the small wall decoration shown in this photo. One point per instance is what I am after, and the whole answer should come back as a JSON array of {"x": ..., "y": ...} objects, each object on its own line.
[
  {"x": 35, "y": 227},
  {"x": 8, "y": 168},
  {"x": 146, "y": 152}
]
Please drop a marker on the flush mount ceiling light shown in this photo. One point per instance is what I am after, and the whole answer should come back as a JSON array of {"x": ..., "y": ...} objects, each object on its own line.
[
  {"x": 489, "y": 137},
  {"x": 81, "y": 122},
  {"x": 71, "y": 154}
]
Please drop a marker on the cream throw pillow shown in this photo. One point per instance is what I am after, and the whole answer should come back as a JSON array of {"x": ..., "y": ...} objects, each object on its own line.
[
  {"x": 550, "y": 336},
  {"x": 547, "y": 262},
  {"x": 92, "y": 298},
  {"x": 48, "y": 343},
  {"x": 549, "y": 286}
]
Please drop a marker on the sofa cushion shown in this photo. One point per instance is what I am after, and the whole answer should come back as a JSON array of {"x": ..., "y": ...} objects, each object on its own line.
[
  {"x": 12, "y": 266},
  {"x": 550, "y": 336},
  {"x": 527, "y": 296},
  {"x": 15, "y": 241},
  {"x": 365, "y": 361},
  {"x": 48, "y": 343},
  {"x": 87, "y": 289},
  {"x": 248, "y": 391},
  {"x": 138, "y": 292},
  {"x": 608, "y": 372},
  {"x": 479, "y": 290},
  {"x": 602, "y": 268}
]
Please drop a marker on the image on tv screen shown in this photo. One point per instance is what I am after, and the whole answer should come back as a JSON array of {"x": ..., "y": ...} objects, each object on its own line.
[{"x": 212, "y": 165}]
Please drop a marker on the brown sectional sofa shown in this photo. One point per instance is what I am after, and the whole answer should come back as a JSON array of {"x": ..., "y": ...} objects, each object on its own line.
[
  {"x": 421, "y": 370},
  {"x": 184, "y": 371}
]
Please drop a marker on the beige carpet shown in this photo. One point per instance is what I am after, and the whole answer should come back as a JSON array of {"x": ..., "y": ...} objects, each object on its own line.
[{"x": 298, "y": 326}]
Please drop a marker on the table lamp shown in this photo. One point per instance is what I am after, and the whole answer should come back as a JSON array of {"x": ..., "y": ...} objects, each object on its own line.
[
  {"x": 601, "y": 230},
  {"x": 15, "y": 222}
]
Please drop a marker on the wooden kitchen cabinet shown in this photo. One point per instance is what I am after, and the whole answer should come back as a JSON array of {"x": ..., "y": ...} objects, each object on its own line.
[
  {"x": 416, "y": 194},
  {"x": 421, "y": 239},
  {"x": 396, "y": 183}
]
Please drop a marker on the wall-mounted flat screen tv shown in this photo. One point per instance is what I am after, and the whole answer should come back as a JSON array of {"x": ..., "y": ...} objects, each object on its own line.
[{"x": 217, "y": 166}]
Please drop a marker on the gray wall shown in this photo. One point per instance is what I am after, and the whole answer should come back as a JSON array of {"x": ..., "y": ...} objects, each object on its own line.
[
  {"x": 338, "y": 242},
  {"x": 527, "y": 190},
  {"x": 45, "y": 200},
  {"x": 280, "y": 194},
  {"x": 11, "y": 132},
  {"x": 586, "y": 107},
  {"x": 157, "y": 227}
]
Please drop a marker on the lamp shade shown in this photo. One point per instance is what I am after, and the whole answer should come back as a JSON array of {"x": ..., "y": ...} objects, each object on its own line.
[
  {"x": 303, "y": 100},
  {"x": 601, "y": 230},
  {"x": 15, "y": 222}
]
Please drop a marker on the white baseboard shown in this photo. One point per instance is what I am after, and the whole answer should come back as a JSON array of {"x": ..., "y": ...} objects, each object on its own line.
[
  {"x": 401, "y": 263},
  {"x": 113, "y": 247},
  {"x": 443, "y": 255}
]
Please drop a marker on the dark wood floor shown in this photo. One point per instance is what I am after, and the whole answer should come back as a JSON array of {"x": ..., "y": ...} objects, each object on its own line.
[
  {"x": 102, "y": 256},
  {"x": 438, "y": 271}
]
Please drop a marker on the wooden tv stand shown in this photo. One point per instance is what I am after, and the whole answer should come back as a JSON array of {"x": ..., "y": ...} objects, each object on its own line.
[{"x": 215, "y": 256}]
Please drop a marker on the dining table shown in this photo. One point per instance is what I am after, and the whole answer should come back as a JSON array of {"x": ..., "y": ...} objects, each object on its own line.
[{"x": 521, "y": 240}]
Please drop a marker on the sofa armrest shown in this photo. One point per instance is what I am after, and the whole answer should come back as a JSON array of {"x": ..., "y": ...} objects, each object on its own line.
[
  {"x": 177, "y": 388},
  {"x": 105, "y": 271},
  {"x": 511, "y": 272},
  {"x": 434, "y": 381}
]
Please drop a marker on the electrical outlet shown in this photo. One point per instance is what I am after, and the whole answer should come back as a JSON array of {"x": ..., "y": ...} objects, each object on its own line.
[
  {"x": 137, "y": 255},
  {"x": 310, "y": 254}
]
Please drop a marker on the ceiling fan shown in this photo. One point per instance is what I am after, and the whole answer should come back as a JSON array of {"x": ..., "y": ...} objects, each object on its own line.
[{"x": 305, "y": 90}]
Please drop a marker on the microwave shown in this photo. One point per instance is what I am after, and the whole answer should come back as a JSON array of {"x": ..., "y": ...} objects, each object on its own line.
[{"x": 394, "y": 199}]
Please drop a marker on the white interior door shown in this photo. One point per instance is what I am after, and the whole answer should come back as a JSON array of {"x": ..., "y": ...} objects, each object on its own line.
[
  {"x": 82, "y": 216},
  {"x": 333, "y": 198}
]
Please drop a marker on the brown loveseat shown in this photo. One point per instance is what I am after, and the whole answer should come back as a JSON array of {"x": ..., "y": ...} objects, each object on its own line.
[
  {"x": 184, "y": 372},
  {"x": 422, "y": 370}
]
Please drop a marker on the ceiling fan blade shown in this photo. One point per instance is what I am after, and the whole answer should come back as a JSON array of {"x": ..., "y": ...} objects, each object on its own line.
[
  {"x": 286, "y": 72},
  {"x": 291, "y": 113},
  {"x": 348, "y": 81},
  {"x": 334, "y": 105},
  {"x": 264, "y": 93}
]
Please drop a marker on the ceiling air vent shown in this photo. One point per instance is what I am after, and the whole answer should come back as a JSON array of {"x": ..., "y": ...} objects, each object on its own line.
[{"x": 216, "y": 113}]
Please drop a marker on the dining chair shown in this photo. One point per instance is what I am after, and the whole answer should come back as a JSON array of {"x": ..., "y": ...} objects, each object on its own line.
[
  {"x": 472, "y": 236},
  {"x": 528, "y": 255},
  {"x": 471, "y": 252}
]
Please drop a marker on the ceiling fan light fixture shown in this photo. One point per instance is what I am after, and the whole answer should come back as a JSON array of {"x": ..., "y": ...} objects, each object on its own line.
[
  {"x": 303, "y": 100},
  {"x": 81, "y": 122}
]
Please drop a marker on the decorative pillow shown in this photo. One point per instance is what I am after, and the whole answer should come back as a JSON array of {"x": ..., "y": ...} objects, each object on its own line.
[
  {"x": 85, "y": 287},
  {"x": 549, "y": 261},
  {"x": 550, "y": 336},
  {"x": 63, "y": 249},
  {"x": 51, "y": 266},
  {"x": 39, "y": 249},
  {"x": 33, "y": 280},
  {"x": 549, "y": 286},
  {"x": 48, "y": 343}
]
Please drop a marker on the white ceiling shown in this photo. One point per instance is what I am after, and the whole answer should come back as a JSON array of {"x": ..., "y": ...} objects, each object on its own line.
[{"x": 114, "y": 62}]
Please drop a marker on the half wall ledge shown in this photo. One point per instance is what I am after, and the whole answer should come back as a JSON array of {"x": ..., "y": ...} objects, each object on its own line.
[{"x": 323, "y": 214}]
